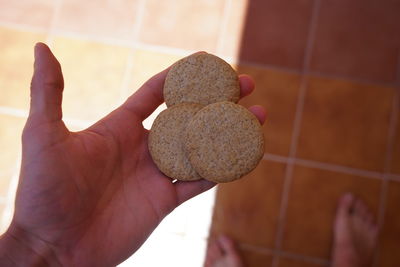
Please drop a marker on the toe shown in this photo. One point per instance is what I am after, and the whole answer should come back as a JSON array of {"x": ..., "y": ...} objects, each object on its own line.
[
  {"x": 227, "y": 244},
  {"x": 214, "y": 253},
  {"x": 345, "y": 204},
  {"x": 229, "y": 248},
  {"x": 360, "y": 209},
  {"x": 342, "y": 220},
  {"x": 369, "y": 219}
]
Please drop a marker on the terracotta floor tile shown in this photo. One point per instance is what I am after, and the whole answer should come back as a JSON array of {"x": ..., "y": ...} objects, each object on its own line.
[
  {"x": 390, "y": 233},
  {"x": 36, "y": 13},
  {"x": 232, "y": 34},
  {"x": 10, "y": 145},
  {"x": 255, "y": 259},
  {"x": 345, "y": 123},
  {"x": 93, "y": 76},
  {"x": 286, "y": 262},
  {"x": 395, "y": 165},
  {"x": 276, "y": 31},
  {"x": 16, "y": 66},
  {"x": 345, "y": 45},
  {"x": 115, "y": 19},
  {"x": 147, "y": 64},
  {"x": 247, "y": 210},
  {"x": 312, "y": 205},
  {"x": 192, "y": 25},
  {"x": 277, "y": 92}
]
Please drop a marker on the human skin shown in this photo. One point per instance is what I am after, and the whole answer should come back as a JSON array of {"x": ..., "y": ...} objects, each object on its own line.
[{"x": 89, "y": 198}]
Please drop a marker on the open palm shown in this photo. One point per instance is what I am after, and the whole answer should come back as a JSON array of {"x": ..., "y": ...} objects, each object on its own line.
[{"x": 91, "y": 198}]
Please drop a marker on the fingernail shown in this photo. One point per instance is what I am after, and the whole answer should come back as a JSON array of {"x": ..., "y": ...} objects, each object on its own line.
[{"x": 37, "y": 48}]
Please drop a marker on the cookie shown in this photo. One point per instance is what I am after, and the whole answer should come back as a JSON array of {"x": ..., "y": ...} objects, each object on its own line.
[
  {"x": 165, "y": 144},
  {"x": 201, "y": 78},
  {"x": 224, "y": 141}
]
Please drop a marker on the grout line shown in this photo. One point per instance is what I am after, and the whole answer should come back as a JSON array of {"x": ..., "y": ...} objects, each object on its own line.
[
  {"x": 267, "y": 156},
  {"x": 277, "y": 253},
  {"x": 296, "y": 130},
  {"x": 127, "y": 76},
  {"x": 54, "y": 19},
  {"x": 323, "y": 166},
  {"x": 176, "y": 51},
  {"x": 223, "y": 26},
  {"x": 381, "y": 215},
  {"x": 282, "y": 211},
  {"x": 163, "y": 49},
  {"x": 338, "y": 168},
  {"x": 139, "y": 20},
  {"x": 23, "y": 27},
  {"x": 20, "y": 113},
  {"x": 389, "y": 155},
  {"x": 351, "y": 79},
  {"x": 257, "y": 249},
  {"x": 311, "y": 36},
  {"x": 245, "y": 63},
  {"x": 392, "y": 131},
  {"x": 317, "y": 261},
  {"x": 394, "y": 177},
  {"x": 275, "y": 158},
  {"x": 88, "y": 37}
]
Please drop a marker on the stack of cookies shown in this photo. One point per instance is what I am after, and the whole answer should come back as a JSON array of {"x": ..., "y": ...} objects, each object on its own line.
[{"x": 204, "y": 134}]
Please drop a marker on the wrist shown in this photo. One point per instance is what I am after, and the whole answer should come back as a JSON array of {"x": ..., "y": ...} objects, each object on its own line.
[{"x": 19, "y": 248}]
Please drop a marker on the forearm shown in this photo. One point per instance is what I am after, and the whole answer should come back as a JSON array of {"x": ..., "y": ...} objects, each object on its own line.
[{"x": 19, "y": 249}]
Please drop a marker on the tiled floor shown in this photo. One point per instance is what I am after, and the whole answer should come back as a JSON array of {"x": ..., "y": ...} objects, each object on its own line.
[
  {"x": 328, "y": 71},
  {"x": 330, "y": 79}
]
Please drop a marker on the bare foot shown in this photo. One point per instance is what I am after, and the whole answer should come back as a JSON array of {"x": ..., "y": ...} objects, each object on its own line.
[
  {"x": 222, "y": 253},
  {"x": 355, "y": 234}
]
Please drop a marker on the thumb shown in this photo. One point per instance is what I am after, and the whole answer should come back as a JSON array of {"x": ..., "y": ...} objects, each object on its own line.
[{"x": 46, "y": 87}]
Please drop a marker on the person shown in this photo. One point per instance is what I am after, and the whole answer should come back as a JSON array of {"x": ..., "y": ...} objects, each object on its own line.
[
  {"x": 354, "y": 242},
  {"x": 89, "y": 198}
]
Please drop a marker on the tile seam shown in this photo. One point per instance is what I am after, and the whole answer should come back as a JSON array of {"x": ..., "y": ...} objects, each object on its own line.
[
  {"x": 23, "y": 27},
  {"x": 351, "y": 79},
  {"x": 323, "y": 166},
  {"x": 53, "y": 23},
  {"x": 223, "y": 26},
  {"x": 182, "y": 52},
  {"x": 278, "y": 253},
  {"x": 296, "y": 131},
  {"x": 127, "y": 76},
  {"x": 394, "y": 177},
  {"x": 20, "y": 113},
  {"x": 388, "y": 158},
  {"x": 338, "y": 168}
]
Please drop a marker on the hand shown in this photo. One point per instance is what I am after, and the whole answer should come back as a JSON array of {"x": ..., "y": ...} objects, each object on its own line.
[{"x": 90, "y": 198}]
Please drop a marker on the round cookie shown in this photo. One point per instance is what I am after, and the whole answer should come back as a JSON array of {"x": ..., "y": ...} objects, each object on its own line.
[
  {"x": 201, "y": 78},
  {"x": 224, "y": 141},
  {"x": 165, "y": 141}
]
